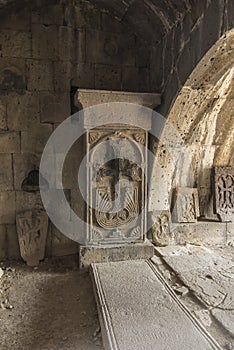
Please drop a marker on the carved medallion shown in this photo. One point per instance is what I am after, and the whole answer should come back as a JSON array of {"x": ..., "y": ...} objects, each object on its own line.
[{"x": 224, "y": 193}]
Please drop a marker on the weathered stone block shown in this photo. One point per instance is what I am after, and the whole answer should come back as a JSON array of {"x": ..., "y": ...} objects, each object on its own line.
[
  {"x": 13, "y": 249},
  {"x": 23, "y": 164},
  {"x": 143, "y": 79},
  {"x": 7, "y": 207},
  {"x": 130, "y": 78},
  {"x": 71, "y": 164},
  {"x": 54, "y": 108},
  {"x": 110, "y": 48},
  {"x": 22, "y": 111},
  {"x": 16, "y": 42},
  {"x": 186, "y": 205},
  {"x": 28, "y": 201},
  {"x": 9, "y": 142},
  {"x": 71, "y": 44},
  {"x": 3, "y": 242},
  {"x": 183, "y": 233},
  {"x": 83, "y": 75},
  {"x": 40, "y": 75},
  {"x": 86, "y": 16},
  {"x": 161, "y": 228},
  {"x": 44, "y": 42},
  {"x": 32, "y": 227},
  {"x": 230, "y": 233},
  {"x": 34, "y": 140},
  {"x": 110, "y": 24},
  {"x": 6, "y": 175},
  {"x": 3, "y": 119},
  {"x": 156, "y": 61},
  {"x": 17, "y": 20},
  {"x": 48, "y": 15},
  {"x": 12, "y": 75},
  {"x": 211, "y": 233},
  {"x": 107, "y": 77},
  {"x": 89, "y": 255},
  {"x": 61, "y": 245},
  {"x": 62, "y": 76}
]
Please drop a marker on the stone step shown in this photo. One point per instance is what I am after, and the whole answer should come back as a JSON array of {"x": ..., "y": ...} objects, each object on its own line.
[{"x": 139, "y": 311}]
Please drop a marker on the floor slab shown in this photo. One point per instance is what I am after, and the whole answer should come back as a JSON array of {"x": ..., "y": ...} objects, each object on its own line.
[
  {"x": 139, "y": 311},
  {"x": 209, "y": 274}
]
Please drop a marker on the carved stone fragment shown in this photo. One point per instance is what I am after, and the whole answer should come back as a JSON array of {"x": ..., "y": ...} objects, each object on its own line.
[
  {"x": 186, "y": 207},
  {"x": 161, "y": 228},
  {"x": 224, "y": 193},
  {"x": 32, "y": 228}
]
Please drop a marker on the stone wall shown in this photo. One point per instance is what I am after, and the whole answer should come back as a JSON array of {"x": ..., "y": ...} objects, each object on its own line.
[
  {"x": 43, "y": 53},
  {"x": 198, "y": 137},
  {"x": 129, "y": 45}
]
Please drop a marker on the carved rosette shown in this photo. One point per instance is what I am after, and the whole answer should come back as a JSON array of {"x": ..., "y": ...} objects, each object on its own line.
[
  {"x": 224, "y": 193},
  {"x": 32, "y": 228}
]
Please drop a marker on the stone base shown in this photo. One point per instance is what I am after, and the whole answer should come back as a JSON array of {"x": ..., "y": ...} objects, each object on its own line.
[{"x": 96, "y": 254}]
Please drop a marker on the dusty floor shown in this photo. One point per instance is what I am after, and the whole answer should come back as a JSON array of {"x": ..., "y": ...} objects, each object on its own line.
[
  {"x": 53, "y": 307},
  {"x": 203, "y": 279},
  {"x": 49, "y": 308}
]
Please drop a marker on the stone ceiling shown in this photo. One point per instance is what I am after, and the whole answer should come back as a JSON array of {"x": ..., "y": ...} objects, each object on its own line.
[{"x": 149, "y": 18}]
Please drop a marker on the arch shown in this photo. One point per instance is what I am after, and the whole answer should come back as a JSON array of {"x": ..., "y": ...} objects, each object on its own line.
[{"x": 201, "y": 125}]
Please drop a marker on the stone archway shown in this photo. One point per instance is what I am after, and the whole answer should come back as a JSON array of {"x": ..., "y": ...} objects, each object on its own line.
[{"x": 198, "y": 135}]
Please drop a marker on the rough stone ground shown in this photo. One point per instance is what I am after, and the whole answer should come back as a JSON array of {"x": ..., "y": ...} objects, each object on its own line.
[
  {"x": 53, "y": 307},
  {"x": 50, "y": 308},
  {"x": 204, "y": 280}
]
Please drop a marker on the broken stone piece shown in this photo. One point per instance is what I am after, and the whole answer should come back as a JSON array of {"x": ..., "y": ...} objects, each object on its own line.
[
  {"x": 161, "y": 228},
  {"x": 186, "y": 207},
  {"x": 32, "y": 227},
  {"x": 1, "y": 273}
]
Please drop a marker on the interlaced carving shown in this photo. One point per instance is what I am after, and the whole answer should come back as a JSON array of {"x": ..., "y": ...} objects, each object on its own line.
[{"x": 224, "y": 192}]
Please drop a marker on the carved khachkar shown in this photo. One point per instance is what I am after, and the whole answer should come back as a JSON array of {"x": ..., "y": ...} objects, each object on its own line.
[
  {"x": 186, "y": 207},
  {"x": 161, "y": 228},
  {"x": 116, "y": 185},
  {"x": 224, "y": 193},
  {"x": 32, "y": 227}
]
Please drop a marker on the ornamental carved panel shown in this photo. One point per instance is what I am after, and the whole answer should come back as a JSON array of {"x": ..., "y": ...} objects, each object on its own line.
[
  {"x": 224, "y": 193},
  {"x": 116, "y": 185},
  {"x": 186, "y": 207}
]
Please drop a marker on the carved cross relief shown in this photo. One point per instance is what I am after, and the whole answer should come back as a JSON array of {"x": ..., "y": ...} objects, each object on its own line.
[
  {"x": 224, "y": 193},
  {"x": 117, "y": 185}
]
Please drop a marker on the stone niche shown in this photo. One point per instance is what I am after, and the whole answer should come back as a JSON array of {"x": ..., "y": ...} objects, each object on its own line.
[{"x": 117, "y": 171}]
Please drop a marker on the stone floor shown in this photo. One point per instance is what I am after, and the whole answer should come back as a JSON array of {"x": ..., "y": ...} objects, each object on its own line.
[
  {"x": 53, "y": 307},
  {"x": 49, "y": 308},
  {"x": 203, "y": 278}
]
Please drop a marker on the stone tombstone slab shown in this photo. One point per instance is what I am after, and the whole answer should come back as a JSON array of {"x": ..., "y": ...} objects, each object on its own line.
[
  {"x": 224, "y": 193},
  {"x": 118, "y": 181},
  {"x": 186, "y": 207},
  {"x": 116, "y": 156},
  {"x": 32, "y": 228},
  {"x": 161, "y": 228}
]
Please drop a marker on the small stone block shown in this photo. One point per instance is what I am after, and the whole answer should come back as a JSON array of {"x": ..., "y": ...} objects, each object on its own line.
[{"x": 93, "y": 254}]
